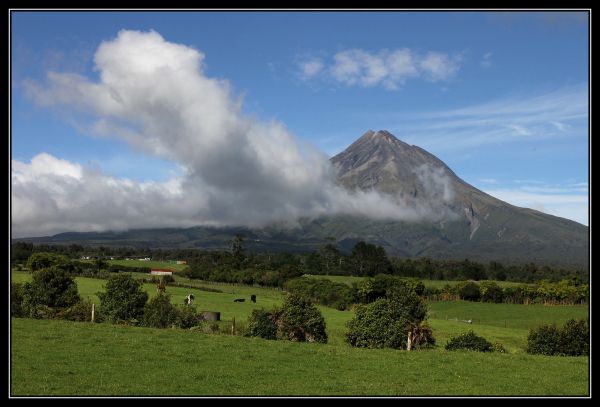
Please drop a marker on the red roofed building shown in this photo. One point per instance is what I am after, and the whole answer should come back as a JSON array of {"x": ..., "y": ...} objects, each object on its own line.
[{"x": 161, "y": 272}]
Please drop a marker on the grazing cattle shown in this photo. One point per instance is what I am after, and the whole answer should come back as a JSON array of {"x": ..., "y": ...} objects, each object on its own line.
[
  {"x": 253, "y": 298},
  {"x": 189, "y": 299},
  {"x": 239, "y": 300}
]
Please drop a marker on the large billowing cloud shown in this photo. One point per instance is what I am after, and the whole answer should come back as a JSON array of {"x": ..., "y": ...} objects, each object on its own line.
[{"x": 154, "y": 95}]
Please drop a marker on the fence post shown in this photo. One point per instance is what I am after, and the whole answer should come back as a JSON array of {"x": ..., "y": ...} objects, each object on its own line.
[
  {"x": 93, "y": 312},
  {"x": 233, "y": 326}
]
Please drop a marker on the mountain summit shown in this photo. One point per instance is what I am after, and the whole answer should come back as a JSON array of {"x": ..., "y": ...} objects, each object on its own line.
[{"x": 483, "y": 224}]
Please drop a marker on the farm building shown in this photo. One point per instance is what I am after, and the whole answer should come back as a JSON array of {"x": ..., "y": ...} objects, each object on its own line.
[{"x": 161, "y": 272}]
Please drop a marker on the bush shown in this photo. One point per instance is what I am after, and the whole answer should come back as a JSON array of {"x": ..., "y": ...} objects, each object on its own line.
[
  {"x": 469, "y": 341},
  {"x": 160, "y": 313},
  {"x": 49, "y": 288},
  {"x": 82, "y": 312},
  {"x": 469, "y": 291},
  {"x": 17, "y": 291},
  {"x": 491, "y": 292},
  {"x": 42, "y": 260},
  {"x": 124, "y": 298},
  {"x": 300, "y": 320},
  {"x": 570, "y": 340},
  {"x": 262, "y": 324},
  {"x": 188, "y": 317},
  {"x": 574, "y": 339},
  {"x": 497, "y": 347},
  {"x": 387, "y": 322}
]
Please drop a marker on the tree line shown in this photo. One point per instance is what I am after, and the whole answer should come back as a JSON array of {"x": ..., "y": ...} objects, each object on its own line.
[{"x": 273, "y": 269}]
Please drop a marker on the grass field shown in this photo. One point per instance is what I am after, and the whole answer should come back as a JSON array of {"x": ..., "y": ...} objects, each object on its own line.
[
  {"x": 98, "y": 359},
  {"x": 151, "y": 264},
  {"x": 70, "y": 358}
]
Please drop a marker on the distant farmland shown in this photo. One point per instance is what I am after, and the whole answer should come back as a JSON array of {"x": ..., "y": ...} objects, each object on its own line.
[{"x": 152, "y": 264}]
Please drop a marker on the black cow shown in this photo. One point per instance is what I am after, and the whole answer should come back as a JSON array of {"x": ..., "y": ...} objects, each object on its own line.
[
  {"x": 253, "y": 298},
  {"x": 189, "y": 299},
  {"x": 239, "y": 300}
]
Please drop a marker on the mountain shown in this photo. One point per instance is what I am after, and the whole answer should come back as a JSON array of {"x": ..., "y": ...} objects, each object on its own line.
[
  {"x": 484, "y": 229},
  {"x": 455, "y": 219}
]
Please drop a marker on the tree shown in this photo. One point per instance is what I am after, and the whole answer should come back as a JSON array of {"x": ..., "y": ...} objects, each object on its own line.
[
  {"x": 50, "y": 287},
  {"x": 391, "y": 322},
  {"x": 469, "y": 291},
  {"x": 42, "y": 260},
  {"x": 369, "y": 259},
  {"x": 124, "y": 298},
  {"x": 300, "y": 320},
  {"x": 100, "y": 263},
  {"x": 160, "y": 313},
  {"x": 237, "y": 249},
  {"x": 263, "y": 324}
]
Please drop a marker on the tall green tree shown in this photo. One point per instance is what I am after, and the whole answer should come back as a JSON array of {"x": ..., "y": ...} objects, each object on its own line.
[
  {"x": 123, "y": 299},
  {"x": 50, "y": 287}
]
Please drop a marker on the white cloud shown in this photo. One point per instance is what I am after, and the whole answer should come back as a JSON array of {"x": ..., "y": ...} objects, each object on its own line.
[
  {"x": 388, "y": 69},
  {"x": 154, "y": 95},
  {"x": 439, "y": 67},
  {"x": 310, "y": 68}
]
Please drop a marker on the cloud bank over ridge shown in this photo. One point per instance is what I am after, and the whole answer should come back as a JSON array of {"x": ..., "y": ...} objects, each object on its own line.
[{"x": 154, "y": 95}]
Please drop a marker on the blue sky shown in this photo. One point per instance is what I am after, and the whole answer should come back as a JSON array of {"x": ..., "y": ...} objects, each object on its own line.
[{"x": 499, "y": 97}]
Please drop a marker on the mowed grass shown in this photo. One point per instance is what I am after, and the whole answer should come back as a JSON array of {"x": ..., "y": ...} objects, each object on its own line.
[
  {"x": 268, "y": 356},
  {"x": 63, "y": 358}
]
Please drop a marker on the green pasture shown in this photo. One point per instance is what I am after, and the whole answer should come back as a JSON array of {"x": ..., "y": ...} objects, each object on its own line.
[
  {"x": 64, "y": 358},
  {"x": 94, "y": 359},
  {"x": 150, "y": 263}
]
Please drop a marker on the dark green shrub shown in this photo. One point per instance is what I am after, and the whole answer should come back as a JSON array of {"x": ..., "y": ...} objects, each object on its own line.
[
  {"x": 387, "y": 322},
  {"x": 17, "y": 291},
  {"x": 124, "y": 298},
  {"x": 544, "y": 340},
  {"x": 491, "y": 292},
  {"x": 469, "y": 341},
  {"x": 188, "y": 317},
  {"x": 300, "y": 320},
  {"x": 574, "y": 338},
  {"x": 160, "y": 313},
  {"x": 374, "y": 326},
  {"x": 570, "y": 340},
  {"x": 42, "y": 260},
  {"x": 469, "y": 291},
  {"x": 262, "y": 324},
  {"x": 49, "y": 288},
  {"x": 82, "y": 312}
]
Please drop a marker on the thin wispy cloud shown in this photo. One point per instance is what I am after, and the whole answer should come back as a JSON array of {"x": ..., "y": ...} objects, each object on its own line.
[
  {"x": 389, "y": 69},
  {"x": 557, "y": 114}
]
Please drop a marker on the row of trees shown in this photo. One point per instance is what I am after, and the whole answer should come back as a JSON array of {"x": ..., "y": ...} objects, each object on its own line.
[
  {"x": 365, "y": 259},
  {"x": 342, "y": 296}
]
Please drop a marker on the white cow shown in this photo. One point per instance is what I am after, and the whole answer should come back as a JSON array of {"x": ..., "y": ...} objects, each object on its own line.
[{"x": 189, "y": 299}]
